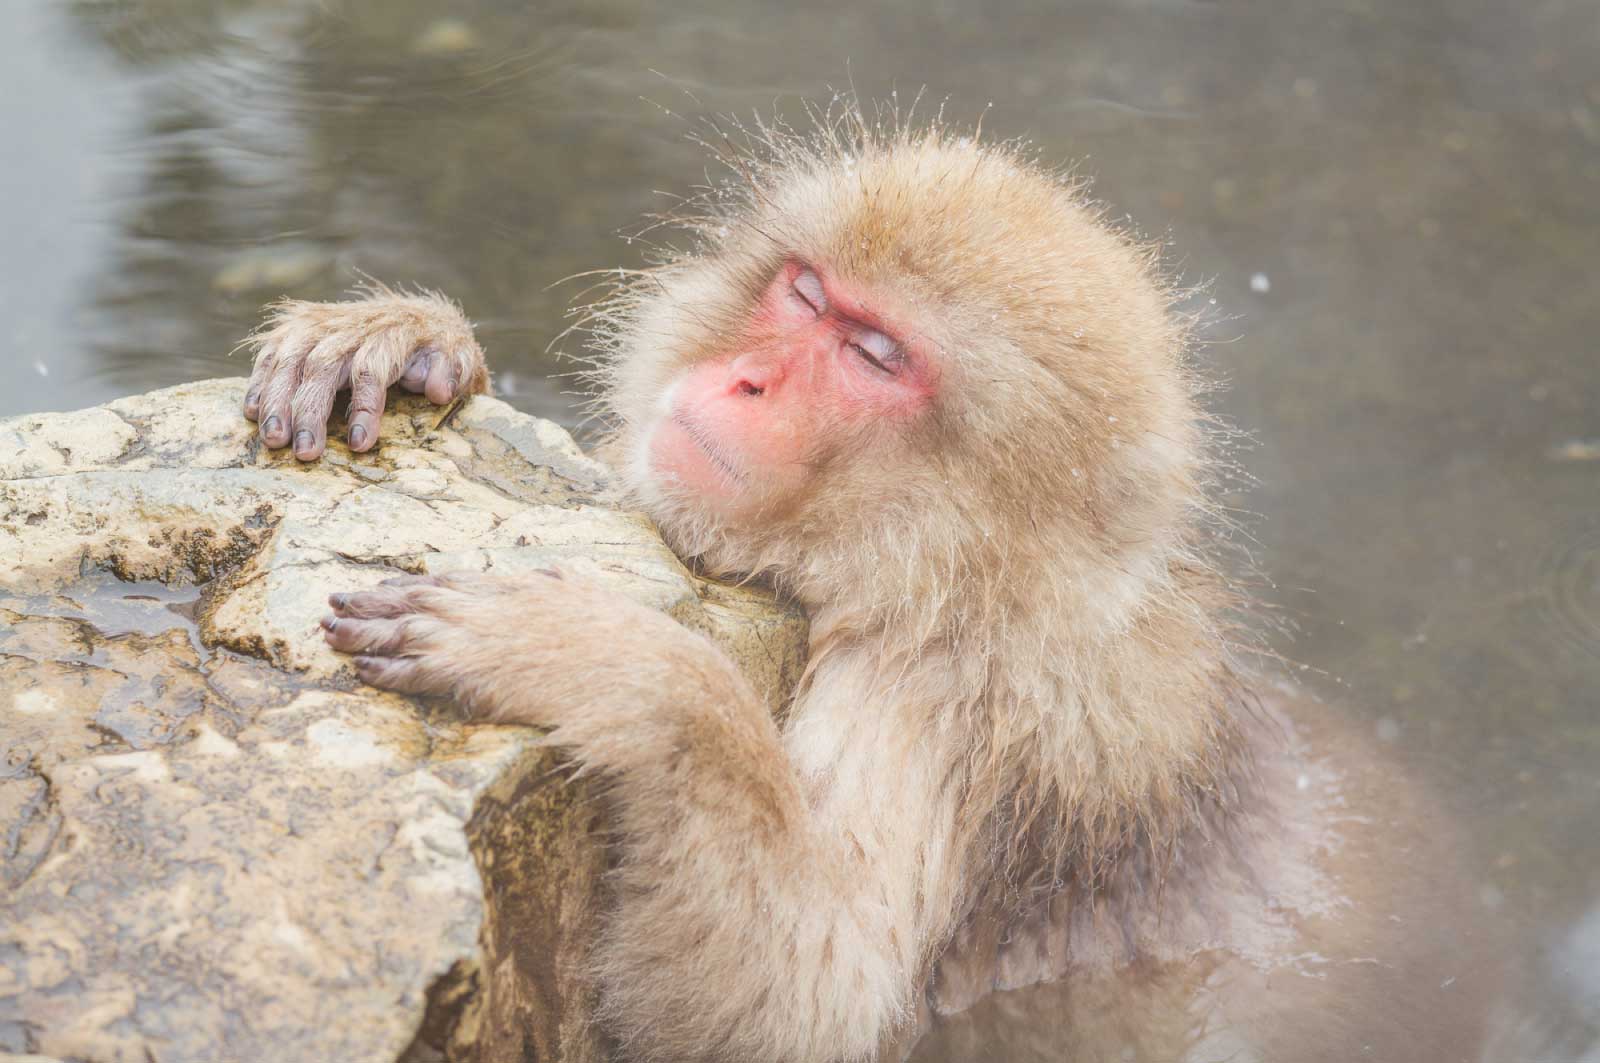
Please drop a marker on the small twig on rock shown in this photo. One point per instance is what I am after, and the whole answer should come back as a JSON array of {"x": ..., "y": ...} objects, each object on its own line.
[{"x": 450, "y": 414}]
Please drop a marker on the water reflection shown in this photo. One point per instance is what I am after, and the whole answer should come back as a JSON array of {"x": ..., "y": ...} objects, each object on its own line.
[{"x": 1396, "y": 205}]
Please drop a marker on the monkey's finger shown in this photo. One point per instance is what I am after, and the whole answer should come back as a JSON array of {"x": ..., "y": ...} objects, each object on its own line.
[
  {"x": 381, "y": 637},
  {"x": 377, "y": 604},
  {"x": 324, "y": 374},
  {"x": 368, "y": 394},
  {"x": 444, "y": 379},
  {"x": 413, "y": 580},
  {"x": 407, "y": 675},
  {"x": 277, "y": 394},
  {"x": 415, "y": 375},
  {"x": 442, "y": 595},
  {"x": 265, "y": 357}
]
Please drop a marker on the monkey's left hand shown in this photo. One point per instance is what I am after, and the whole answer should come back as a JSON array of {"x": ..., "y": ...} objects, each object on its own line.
[{"x": 533, "y": 648}]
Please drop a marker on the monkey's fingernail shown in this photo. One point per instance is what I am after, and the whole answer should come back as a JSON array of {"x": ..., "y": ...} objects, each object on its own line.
[
  {"x": 252, "y": 399},
  {"x": 358, "y": 435},
  {"x": 455, "y": 386},
  {"x": 338, "y": 601},
  {"x": 365, "y": 663},
  {"x": 304, "y": 440},
  {"x": 330, "y": 622},
  {"x": 273, "y": 426}
]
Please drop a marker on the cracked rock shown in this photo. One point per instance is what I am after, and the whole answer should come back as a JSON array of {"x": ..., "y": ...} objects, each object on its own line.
[{"x": 214, "y": 843}]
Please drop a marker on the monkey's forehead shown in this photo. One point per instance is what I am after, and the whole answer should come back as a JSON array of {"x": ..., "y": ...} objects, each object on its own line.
[
  {"x": 971, "y": 224},
  {"x": 933, "y": 191}
]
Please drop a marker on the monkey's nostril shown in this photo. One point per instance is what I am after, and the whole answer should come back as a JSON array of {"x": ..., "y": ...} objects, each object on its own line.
[{"x": 747, "y": 388}]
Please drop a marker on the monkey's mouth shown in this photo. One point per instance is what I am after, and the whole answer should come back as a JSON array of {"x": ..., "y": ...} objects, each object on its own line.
[{"x": 708, "y": 446}]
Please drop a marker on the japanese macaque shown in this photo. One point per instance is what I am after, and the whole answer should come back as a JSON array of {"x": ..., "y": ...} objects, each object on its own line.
[{"x": 920, "y": 385}]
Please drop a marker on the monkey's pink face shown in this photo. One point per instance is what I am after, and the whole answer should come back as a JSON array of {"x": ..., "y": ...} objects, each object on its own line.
[{"x": 822, "y": 371}]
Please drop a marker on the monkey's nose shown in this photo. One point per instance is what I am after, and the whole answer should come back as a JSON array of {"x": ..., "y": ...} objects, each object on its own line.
[{"x": 751, "y": 376}]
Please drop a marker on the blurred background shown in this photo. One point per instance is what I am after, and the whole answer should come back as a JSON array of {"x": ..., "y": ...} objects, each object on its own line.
[{"x": 1396, "y": 207}]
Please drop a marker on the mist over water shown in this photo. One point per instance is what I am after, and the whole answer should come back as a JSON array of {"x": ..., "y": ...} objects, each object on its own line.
[{"x": 1396, "y": 209}]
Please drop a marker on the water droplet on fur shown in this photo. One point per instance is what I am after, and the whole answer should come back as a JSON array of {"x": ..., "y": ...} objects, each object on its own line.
[{"x": 1260, "y": 283}]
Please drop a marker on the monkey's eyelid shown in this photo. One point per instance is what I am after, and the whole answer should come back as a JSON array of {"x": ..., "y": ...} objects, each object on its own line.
[
  {"x": 808, "y": 286},
  {"x": 882, "y": 351}
]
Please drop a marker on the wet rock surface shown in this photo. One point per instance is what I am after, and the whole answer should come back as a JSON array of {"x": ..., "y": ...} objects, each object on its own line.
[{"x": 214, "y": 843}]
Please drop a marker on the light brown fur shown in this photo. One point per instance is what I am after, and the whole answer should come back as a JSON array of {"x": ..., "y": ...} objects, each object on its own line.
[{"x": 1022, "y": 689}]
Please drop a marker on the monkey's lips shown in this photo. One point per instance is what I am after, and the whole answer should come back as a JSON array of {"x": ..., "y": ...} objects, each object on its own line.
[{"x": 684, "y": 453}]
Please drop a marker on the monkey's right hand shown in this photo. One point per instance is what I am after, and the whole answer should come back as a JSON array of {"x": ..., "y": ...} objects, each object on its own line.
[{"x": 306, "y": 353}]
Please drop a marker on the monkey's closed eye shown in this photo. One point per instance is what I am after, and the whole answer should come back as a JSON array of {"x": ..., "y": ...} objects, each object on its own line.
[
  {"x": 879, "y": 351},
  {"x": 808, "y": 286}
]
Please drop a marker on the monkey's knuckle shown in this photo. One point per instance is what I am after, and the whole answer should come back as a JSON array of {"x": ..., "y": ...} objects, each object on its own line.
[
  {"x": 375, "y": 603},
  {"x": 373, "y": 634},
  {"x": 310, "y": 406},
  {"x": 368, "y": 361},
  {"x": 416, "y": 597},
  {"x": 389, "y": 675},
  {"x": 265, "y": 346},
  {"x": 400, "y": 604},
  {"x": 416, "y": 633},
  {"x": 290, "y": 356},
  {"x": 462, "y": 583},
  {"x": 329, "y": 352}
]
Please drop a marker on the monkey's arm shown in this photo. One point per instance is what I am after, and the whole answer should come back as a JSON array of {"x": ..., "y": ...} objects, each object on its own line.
[
  {"x": 761, "y": 915},
  {"x": 308, "y": 352}
]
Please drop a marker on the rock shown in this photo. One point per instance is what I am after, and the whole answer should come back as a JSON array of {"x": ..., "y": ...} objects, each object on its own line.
[{"x": 215, "y": 844}]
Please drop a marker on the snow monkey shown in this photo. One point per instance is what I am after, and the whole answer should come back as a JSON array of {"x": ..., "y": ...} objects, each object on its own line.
[{"x": 920, "y": 385}]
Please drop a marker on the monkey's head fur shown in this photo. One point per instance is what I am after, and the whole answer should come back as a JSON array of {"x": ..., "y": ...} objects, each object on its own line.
[{"x": 1021, "y": 505}]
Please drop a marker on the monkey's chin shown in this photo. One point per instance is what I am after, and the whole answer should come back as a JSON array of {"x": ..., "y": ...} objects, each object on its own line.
[{"x": 684, "y": 463}]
